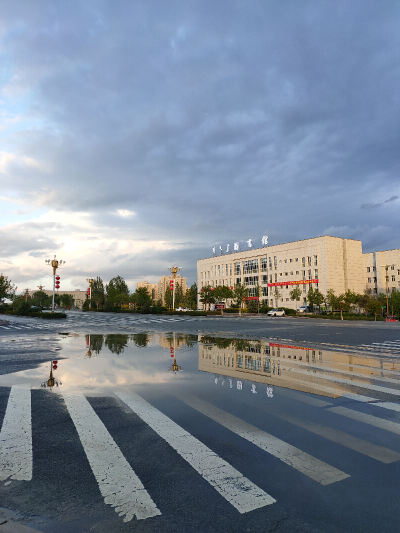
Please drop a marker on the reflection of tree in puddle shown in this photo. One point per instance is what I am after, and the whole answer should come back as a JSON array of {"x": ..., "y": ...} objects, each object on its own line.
[
  {"x": 177, "y": 341},
  {"x": 141, "y": 340},
  {"x": 218, "y": 341},
  {"x": 94, "y": 344},
  {"x": 116, "y": 343}
]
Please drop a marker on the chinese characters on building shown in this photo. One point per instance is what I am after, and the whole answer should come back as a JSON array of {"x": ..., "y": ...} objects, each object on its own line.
[{"x": 236, "y": 246}]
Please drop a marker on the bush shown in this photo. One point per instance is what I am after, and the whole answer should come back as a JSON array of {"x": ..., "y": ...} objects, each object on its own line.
[
  {"x": 289, "y": 311},
  {"x": 231, "y": 310},
  {"x": 252, "y": 306}
]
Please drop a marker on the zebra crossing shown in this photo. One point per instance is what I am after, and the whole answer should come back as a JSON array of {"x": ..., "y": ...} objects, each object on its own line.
[
  {"x": 85, "y": 321},
  {"x": 122, "y": 489}
]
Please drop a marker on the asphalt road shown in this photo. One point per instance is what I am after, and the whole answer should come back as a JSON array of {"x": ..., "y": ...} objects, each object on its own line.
[{"x": 124, "y": 439}]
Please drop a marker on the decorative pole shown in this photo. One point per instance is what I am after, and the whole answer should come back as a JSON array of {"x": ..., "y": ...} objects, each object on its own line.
[
  {"x": 55, "y": 264},
  {"x": 174, "y": 271},
  {"x": 90, "y": 281}
]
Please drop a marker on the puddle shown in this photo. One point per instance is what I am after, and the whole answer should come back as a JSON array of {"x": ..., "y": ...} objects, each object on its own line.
[{"x": 101, "y": 364}]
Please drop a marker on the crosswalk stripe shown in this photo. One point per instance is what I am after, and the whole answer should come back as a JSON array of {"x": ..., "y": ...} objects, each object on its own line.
[
  {"x": 315, "y": 402},
  {"x": 16, "y": 436},
  {"x": 118, "y": 483},
  {"x": 388, "y": 405},
  {"x": 367, "y": 419},
  {"x": 379, "y": 453},
  {"x": 301, "y": 461},
  {"x": 239, "y": 491}
]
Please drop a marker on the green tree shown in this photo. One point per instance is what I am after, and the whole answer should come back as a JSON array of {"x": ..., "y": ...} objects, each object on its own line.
[
  {"x": 41, "y": 299},
  {"x": 223, "y": 293},
  {"x": 207, "y": 296},
  {"x": 350, "y": 299},
  {"x": 240, "y": 292},
  {"x": 178, "y": 294},
  {"x": 117, "y": 285},
  {"x": 21, "y": 306},
  {"x": 374, "y": 307},
  {"x": 190, "y": 298},
  {"x": 394, "y": 303},
  {"x": 67, "y": 300},
  {"x": 277, "y": 295},
  {"x": 98, "y": 293},
  {"x": 295, "y": 293},
  {"x": 7, "y": 289},
  {"x": 315, "y": 297},
  {"x": 141, "y": 297},
  {"x": 331, "y": 299}
]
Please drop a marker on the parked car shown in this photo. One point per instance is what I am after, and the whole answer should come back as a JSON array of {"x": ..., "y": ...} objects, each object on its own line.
[
  {"x": 392, "y": 318},
  {"x": 276, "y": 312},
  {"x": 303, "y": 309}
]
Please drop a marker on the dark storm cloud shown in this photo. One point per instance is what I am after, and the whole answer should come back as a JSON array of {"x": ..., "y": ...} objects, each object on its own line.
[
  {"x": 211, "y": 122},
  {"x": 379, "y": 204}
]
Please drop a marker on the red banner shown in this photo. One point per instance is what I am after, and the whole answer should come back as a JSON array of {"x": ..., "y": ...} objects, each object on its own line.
[
  {"x": 252, "y": 298},
  {"x": 301, "y": 282},
  {"x": 288, "y": 346}
]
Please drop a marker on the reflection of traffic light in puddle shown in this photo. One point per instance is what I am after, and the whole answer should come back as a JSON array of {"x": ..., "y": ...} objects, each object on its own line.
[{"x": 52, "y": 380}]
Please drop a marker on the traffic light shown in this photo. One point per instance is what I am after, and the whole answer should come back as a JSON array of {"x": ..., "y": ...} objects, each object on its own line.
[{"x": 171, "y": 284}]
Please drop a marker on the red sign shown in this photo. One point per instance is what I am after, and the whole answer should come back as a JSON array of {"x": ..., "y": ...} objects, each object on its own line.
[
  {"x": 252, "y": 298},
  {"x": 219, "y": 306},
  {"x": 301, "y": 282},
  {"x": 288, "y": 346}
]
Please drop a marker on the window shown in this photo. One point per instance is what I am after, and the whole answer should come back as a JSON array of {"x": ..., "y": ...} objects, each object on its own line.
[
  {"x": 280, "y": 273},
  {"x": 286, "y": 274},
  {"x": 368, "y": 269},
  {"x": 297, "y": 272},
  {"x": 237, "y": 269},
  {"x": 251, "y": 280},
  {"x": 219, "y": 270},
  {"x": 230, "y": 269},
  {"x": 309, "y": 274},
  {"x": 276, "y": 278},
  {"x": 265, "y": 291},
  {"x": 275, "y": 262},
  {"x": 315, "y": 260},
  {"x": 309, "y": 260},
  {"x": 290, "y": 260},
  {"x": 270, "y": 278},
  {"x": 387, "y": 278},
  {"x": 252, "y": 291},
  {"x": 212, "y": 271},
  {"x": 250, "y": 266},
  {"x": 264, "y": 279},
  {"x": 291, "y": 273},
  {"x": 392, "y": 267},
  {"x": 303, "y": 261},
  {"x": 297, "y": 259},
  {"x": 226, "y": 270},
  {"x": 270, "y": 262},
  {"x": 285, "y": 260},
  {"x": 264, "y": 264},
  {"x": 369, "y": 280},
  {"x": 393, "y": 278},
  {"x": 287, "y": 299},
  {"x": 316, "y": 273},
  {"x": 238, "y": 281},
  {"x": 374, "y": 280},
  {"x": 304, "y": 274},
  {"x": 304, "y": 289}
]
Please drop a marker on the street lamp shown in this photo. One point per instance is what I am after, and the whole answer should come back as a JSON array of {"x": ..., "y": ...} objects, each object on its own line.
[
  {"x": 386, "y": 267},
  {"x": 90, "y": 281},
  {"x": 174, "y": 270},
  {"x": 55, "y": 263}
]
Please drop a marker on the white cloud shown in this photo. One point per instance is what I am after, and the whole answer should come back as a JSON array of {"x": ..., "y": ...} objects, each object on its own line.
[{"x": 125, "y": 213}]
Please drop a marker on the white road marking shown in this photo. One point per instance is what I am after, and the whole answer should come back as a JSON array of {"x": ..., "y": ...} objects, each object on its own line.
[
  {"x": 16, "y": 436},
  {"x": 301, "y": 461},
  {"x": 229, "y": 482},
  {"x": 388, "y": 405},
  {"x": 118, "y": 483},
  {"x": 367, "y": 419}
]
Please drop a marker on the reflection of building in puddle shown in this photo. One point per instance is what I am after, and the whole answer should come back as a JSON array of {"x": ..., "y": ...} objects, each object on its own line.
[
  {"x": 176, "y": 341},
  {"x": 305, "y": 369}
]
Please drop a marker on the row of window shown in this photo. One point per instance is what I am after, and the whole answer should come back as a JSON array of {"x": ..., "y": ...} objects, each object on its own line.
[
  {"x": 253, "y": 266},
  {"x": 392, "y": 267},
  {"x": 386, "y": 279}
]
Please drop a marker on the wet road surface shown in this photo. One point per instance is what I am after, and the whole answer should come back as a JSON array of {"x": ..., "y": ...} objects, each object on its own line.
[{"x": 181, "y": 432}]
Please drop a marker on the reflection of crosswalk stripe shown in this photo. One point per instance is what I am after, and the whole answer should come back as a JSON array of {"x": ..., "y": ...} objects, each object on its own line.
[
  {"x": 16, "y": 436},
  {"x": 353, "y": 382},
  {"x": 301, "y": 461},
  {"x": 367, "y": 419},
  {"x": 118, "y": 483},
  {"x": 229, "y": 482}
]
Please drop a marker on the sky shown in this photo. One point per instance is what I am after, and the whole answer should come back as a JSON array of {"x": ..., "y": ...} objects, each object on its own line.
[{"x": 139, "y": 134}]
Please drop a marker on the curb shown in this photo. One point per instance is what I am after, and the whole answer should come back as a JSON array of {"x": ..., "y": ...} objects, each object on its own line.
[{"x": 15, "y": 527}]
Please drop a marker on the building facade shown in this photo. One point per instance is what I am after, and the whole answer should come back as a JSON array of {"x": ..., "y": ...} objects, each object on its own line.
[
  {"x": 152, "y": 288},
  {"x": 78, "y": 295},
  {"x": 323, "y": 263},
  {"x": 382, "y": 271}
]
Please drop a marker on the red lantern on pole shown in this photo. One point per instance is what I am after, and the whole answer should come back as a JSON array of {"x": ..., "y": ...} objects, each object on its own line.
[{"x": 171, "y": 285}]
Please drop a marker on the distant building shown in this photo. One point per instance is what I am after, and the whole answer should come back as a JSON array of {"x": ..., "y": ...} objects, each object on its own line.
[
  {"x": 382, "y": 269},
  {"x": 78, "y": 295},
  {"x": 152, "y": 288},
  {"x": 163, "y": 285}
]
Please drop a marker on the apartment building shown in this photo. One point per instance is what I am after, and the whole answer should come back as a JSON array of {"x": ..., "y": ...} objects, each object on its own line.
[
  {"x": 322, "y": 262},
  {"x": 382, "y": 271},
  {"x": 152, "y": 288}
]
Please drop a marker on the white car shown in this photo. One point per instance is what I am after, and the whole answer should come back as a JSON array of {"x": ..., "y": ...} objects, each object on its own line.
[
  {"x": 303, "y": 309},
  {"x": 276, "y": 312}
]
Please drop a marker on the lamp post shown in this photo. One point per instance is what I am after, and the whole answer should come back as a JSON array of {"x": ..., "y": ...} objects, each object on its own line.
[
  {"x": 52, "y": 380},
  {"x": 90, "y": 281},
  {"x": 26, "y": 294},
  {"x": 386, "y": 267},
  {"x": 55, "y": 263},
  {"x": 174, "y": 270}
]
